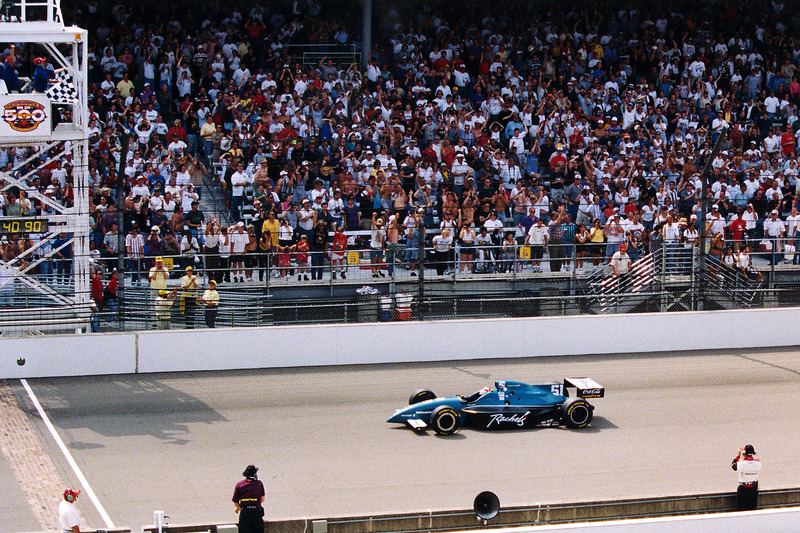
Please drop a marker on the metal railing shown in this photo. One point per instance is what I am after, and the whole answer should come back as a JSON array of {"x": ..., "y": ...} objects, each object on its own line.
[
  {"x": 31, "y": 11},
  {"x": 462, "y": 282}
]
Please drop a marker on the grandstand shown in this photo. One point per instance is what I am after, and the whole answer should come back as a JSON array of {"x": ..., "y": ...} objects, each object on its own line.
[{"x": 675, "y": 121}]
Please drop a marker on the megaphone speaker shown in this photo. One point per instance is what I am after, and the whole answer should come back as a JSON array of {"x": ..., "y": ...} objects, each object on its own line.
[{"x": 486, "y": 505}]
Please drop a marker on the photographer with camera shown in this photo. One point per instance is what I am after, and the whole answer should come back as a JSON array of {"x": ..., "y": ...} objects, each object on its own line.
[{"x": 747, "y": 465}]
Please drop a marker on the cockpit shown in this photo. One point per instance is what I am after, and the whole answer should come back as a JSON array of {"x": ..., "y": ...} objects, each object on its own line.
[{"x": 475, "y": 396}]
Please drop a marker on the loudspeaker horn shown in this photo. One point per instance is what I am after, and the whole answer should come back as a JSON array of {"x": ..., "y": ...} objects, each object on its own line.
[{"x": 486, "y": 505}]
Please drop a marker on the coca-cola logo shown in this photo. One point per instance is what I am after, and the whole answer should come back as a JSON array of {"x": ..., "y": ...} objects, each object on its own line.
[
  {"x": 591, "y": 393},
  {"x": 515, "y": 419}
]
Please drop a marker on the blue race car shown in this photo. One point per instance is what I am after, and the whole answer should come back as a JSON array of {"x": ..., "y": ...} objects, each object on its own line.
[{"x": 510, "y": 405}]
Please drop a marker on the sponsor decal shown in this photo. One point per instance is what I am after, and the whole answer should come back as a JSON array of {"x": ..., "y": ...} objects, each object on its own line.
[
  {"x": 592, "y": 393},
  {"x": 516, "y": 419},
  {"x": 548, "y": 423},
  {"x": 24, "y": 115},
  {"x": 416, "y": 413}
]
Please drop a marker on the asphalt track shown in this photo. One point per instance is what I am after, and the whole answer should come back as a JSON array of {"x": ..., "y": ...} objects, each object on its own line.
[{"x": 669, "y": 425}]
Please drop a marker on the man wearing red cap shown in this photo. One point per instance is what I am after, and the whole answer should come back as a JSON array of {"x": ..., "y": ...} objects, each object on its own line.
[
  {"x": 620, "y": 265},
  {"x": 68, "y": 518}
]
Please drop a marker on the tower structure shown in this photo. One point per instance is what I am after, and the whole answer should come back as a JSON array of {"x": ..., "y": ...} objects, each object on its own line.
[{"x": 36, "y": 130}]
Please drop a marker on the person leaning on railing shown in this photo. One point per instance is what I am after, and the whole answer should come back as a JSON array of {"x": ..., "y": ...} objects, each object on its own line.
[
  {"x": 442, "y": 244},
  {"x": 210, "y": 300}
]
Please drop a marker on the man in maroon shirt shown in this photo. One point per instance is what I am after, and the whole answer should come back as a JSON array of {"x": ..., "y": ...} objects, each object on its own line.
[{"x": 248, "y": 497}]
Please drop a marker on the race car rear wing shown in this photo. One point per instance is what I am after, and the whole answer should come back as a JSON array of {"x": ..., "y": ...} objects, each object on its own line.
[{"x": 585, "y": 387}]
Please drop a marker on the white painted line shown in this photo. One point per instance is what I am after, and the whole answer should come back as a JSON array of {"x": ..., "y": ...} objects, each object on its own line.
[{"x": 84, "y": 483}]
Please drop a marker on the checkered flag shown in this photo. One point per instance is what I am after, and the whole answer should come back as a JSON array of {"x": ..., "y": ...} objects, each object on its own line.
[{"x": 63, "y": 91}]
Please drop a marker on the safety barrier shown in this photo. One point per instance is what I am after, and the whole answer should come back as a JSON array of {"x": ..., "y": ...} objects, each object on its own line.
[
  {"x": 198, "y": 350},
  {"x": 531, "y": 515}
]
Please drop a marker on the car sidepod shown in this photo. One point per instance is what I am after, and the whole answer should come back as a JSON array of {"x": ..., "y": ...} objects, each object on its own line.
[{"x": 512, "y": 417}]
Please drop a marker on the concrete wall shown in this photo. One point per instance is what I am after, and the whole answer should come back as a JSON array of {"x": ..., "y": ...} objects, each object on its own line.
[
  {"x": 68, "y": 355},
  {"x": 288, "y": 346},
  {"x": 773, "y": 520}
]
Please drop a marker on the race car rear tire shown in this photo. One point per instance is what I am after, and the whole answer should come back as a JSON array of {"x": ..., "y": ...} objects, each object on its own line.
[
  {"x": 576, "y": 413},
  {"x": 445, "y": 420},
  {"x": 420, "y": 396}
]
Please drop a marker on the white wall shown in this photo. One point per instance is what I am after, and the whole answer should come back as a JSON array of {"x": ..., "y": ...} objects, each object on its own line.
[
  {"x": 766, "y": 521},
  {"x": 287, "y": 346},
  {"x": 68, "y": 355}
]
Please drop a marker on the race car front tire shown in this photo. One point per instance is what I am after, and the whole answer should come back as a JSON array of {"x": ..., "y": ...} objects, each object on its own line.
[
  {"x": 576, "y": 413},
  {"x": 445, "y": 420},
  {"x": 420, "y": 396}
]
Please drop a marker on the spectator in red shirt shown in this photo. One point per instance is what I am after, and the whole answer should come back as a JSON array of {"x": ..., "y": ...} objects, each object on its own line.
[
  {"x": 178, "y": 130},
  {"x": 787, "y": 143},
  {"x": 738, "y": 226},
  {"x": 338, "y": 252}
]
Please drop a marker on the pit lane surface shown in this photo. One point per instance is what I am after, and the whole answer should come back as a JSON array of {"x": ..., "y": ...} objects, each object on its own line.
[{"x": 669, "y": 425}]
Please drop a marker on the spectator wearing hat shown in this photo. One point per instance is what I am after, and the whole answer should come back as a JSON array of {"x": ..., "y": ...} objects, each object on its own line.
[
  {"x": 747, "y": 466},
  {"x": 154, "y": 242},
  {"x": 248, "y": 500},
  {"x": 163, "y": 307},
  {"x": 210, "y": 300},
  {"x": 189, "y": 287},
  {"x": 212, "y": 249},
  {"x": 774, "y": 231},
  {"x": 195, "y": 219},
  {"x": 239, "y": 240},
  {"x": 158, "y": 275},
  {"x": 459, "y": 172},
  {"x": 306, "y": 219},
  {"x": 620, "y": 267},
  {"x": 68, "y": 518},
  {"x": 190, "y": 249},
  {"x": 716, "y": 222},
  {"x": 377, "y": 244},
  {"x": 557, "y": 160},
  {"x": 42, "y": 76}
]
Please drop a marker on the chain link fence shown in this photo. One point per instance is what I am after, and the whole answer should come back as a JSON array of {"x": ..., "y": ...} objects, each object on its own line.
[{"x": 460, "y": 282}]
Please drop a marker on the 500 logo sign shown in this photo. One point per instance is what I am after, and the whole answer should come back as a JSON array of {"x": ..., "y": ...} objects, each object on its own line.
[{"x": 24, "y": 116}]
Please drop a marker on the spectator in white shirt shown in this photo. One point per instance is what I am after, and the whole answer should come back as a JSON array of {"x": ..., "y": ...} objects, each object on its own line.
[{"x": 239, "y": 180}]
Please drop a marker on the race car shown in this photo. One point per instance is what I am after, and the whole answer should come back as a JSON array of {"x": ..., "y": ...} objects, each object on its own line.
[{"x": 509, "y": 405}]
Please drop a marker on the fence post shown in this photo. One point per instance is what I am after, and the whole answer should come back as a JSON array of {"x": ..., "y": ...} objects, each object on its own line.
[
  {"x": 421, "y": 263},
  {"x": 268, "y": 270},
  {"x": 515, "y": 261}
]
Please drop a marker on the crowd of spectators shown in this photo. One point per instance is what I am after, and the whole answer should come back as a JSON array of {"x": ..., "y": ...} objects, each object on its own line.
[{"x": 577, "y": 115}]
